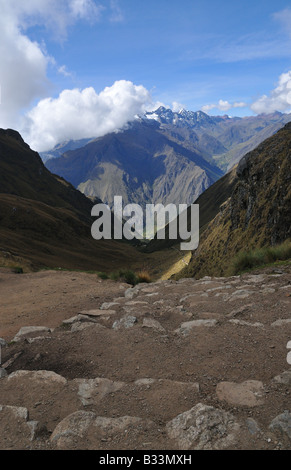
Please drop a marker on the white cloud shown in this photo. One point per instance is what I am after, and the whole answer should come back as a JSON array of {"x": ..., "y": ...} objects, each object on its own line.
[
  {"x": 116, "y": 15},
  {"x": 279, "y": 98},
  {"x": 176, "y": 106},
  {"x": 77, "y": 114},
  {"x": 223, "y": 106},
  {"x": 23, "y": 71},
  {"x": 63, "y": 71},
  {"x": 284, "y": 17}
]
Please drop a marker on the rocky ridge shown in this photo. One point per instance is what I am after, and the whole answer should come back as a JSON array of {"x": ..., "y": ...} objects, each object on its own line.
[{"x": 188, "y": 364}]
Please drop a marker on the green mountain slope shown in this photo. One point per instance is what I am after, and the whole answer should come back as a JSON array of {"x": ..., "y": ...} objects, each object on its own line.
[
  {"x": 257, "y": 213},
  {"x": 44, "y": 220}
]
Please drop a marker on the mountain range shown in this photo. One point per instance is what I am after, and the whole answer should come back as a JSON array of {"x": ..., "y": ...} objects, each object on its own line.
[{"x": 162, "y": 156}]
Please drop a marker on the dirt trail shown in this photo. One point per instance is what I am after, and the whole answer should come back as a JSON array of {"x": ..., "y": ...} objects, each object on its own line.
[
  {"x": 48, "y": 297},
  {"x": 168, "y": 365}
]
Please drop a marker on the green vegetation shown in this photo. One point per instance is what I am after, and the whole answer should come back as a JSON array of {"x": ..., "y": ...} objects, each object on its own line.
[
  {"x": 128, "y": 276},
  {"x": 17, "y": 270},
  {"x": 245, "y": 261}
]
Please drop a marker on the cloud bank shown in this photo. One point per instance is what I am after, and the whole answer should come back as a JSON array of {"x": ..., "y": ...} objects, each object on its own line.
[
  {"x": 279, "y": 98},
  {"x": 24, "y": 63},
  {"x": 77, "y": 114},
  {"x": 222, "y": 106}
]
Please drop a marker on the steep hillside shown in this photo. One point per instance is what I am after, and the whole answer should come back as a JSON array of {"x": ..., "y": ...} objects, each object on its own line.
[
  {"x": 209, "y": 204},
  {"x": 257, "y": 213},
  {"x": 45, "y": 221},
  {"x": 22, "y": 173},
  {"x": 141, "y": 164}
]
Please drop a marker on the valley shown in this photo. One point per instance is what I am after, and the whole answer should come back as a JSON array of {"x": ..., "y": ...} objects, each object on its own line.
[{"x": 192, "y": 357}]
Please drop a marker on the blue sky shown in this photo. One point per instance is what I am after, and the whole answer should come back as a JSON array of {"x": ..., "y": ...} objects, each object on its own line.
[
  {"x": 224, "y": 57},
  {"x": 193, "y": 52}
]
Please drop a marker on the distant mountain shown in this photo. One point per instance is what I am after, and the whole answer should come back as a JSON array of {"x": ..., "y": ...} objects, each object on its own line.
[
  {"x": 220, "y": 139},
  {"x": 44, "y": 220},
  {"x": 255, "y": 210},
  {"x": 162, "y": 156},
  {"x": 63, "y": 147},
  {"x": 142, "y": 163}
]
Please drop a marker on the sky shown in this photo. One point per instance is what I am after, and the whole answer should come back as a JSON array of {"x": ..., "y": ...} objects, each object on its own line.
[{"x": 71, "y": 69}]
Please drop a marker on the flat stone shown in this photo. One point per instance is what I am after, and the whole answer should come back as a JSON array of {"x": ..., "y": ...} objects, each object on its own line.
[
  {"x": 213, "y": 289},
  {"x": 246, "y": 323},
  {"x": 186, "y": 327},
  {"x": 146, "y": 381},
  {"x": 17, "y": 411},
  {"x": 97, "y": 312},
  {"x": 38, "y": 376},
  {"x": 37, "y": 338},
  {"x": 240, "y": 294},
  {"x": 27, "y": 330},
  {"x": 108, "y": 305},
  {"x": 203, "y": 428},
  {"x": 249, "y": 393},
  {"x": 2, "y": 342},
  {"x": 151, "y": 323},
  {"x": 282, "y": 322},
  {"x": 256, "y": 278},
  {"x": 267, "y": 290}
]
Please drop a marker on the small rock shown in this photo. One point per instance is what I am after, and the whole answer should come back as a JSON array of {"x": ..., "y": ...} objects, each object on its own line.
[
  {"x": 108, "y": 305},
  {"x": 37, "y": 429},
  {"x": 282, "y": 424},
  {"x": 252, "y": 426},
  {"x": 126, "y": 322},
  {"x": 18, "y": 411},
  {"x": 131, "y": 292},
  {"x": 186, "y": 327},
  {"x": 284, "y": 378},
  {"x": 91, "y": 391},
  {"x": 203, "y": 428},
  {"x": 3, "y": 373},
  {"x": 151, "y": 323}
]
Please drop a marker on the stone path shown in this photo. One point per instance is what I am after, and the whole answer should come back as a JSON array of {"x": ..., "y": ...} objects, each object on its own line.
[{"x": 171, "y": 365}]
